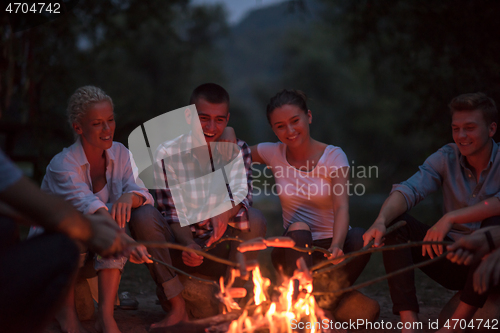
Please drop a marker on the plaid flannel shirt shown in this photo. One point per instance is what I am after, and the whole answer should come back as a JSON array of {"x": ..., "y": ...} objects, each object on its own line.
[{"x": 183, "y": 171}]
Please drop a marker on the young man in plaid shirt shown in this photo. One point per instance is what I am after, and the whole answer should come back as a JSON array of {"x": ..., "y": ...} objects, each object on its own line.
[{"x": 182, "y": 160}]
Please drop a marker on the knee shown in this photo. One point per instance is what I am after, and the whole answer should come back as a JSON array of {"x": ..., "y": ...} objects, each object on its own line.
[
  {"x": 144, "y": 219},
  {"x": 354, "y": 240},
  {"x": 298, "y": 226},
  {"x": 258, "y": 223},
  {"x": 143, "y": 213}
]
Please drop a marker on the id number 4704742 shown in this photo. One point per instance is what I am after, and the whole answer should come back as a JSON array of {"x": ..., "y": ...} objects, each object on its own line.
[
  {"x": 38, "y": 8},
  {"x": 472, "y": 324}
]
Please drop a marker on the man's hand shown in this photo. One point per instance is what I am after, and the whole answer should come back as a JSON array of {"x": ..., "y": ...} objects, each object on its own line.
[
  {"x": 487, "y": 275},
  {"x": 122, "y": 208},
  {"x": 192, "y": 259},
  {"x": 376, "y": 232},
  {"x": 469, "y": 249},
  {"x": 335, "y": 252},
  {"x": 436, "y": 234},
  {"x": 219, "y": 224},
  {"x": 107, "y": 238}
]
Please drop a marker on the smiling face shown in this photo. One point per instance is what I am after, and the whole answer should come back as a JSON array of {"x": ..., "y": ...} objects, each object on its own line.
[
  {"x": 213, "y": 118},
  {"x": 291, "y": 124},
  {"x": 97, "y": 127},
  {"x": 472, "y": 134}
]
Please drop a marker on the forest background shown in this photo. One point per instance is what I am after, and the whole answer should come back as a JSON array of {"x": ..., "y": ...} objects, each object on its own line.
[{"x": 379, "y": 74}]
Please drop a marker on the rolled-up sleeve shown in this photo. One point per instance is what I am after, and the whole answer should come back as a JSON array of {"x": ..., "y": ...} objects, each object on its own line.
[
  {"x": 67, "y": 179},
  {"x": 131, "y": 181},
  {"x": 427, "y": 180}
]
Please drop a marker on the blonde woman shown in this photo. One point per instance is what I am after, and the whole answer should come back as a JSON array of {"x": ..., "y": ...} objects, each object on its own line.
[{"x": 97, "y": 176}]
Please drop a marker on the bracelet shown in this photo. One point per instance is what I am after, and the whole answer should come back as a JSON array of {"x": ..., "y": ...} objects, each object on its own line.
[{"x": 489, "y": 238}]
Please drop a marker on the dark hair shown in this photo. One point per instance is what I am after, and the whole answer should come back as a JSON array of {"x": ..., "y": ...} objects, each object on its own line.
[
  {"x": 287, "y": 97},
  {"x": 211, "y": 92},
  {"x": 475, "y": 101}
]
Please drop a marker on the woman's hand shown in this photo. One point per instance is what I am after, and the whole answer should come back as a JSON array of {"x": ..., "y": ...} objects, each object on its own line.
[
  {"x": 122, "y": 208},
  {"x": 335, "y": 252}
]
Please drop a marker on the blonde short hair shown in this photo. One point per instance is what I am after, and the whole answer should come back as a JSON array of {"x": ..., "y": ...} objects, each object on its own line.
[{"x": 82, "y": 100}]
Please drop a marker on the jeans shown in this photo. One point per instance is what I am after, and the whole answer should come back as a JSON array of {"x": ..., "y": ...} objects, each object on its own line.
[
  {"x": 147, "y": 224},
  {"x": 444, "y": 272},
  {"x": 151, "y": 226}
]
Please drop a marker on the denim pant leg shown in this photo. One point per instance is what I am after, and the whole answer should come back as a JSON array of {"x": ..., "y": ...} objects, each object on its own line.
[
  {"x": 286, "y": 259},
  {"x": 469, "y": 296},
  {"x": 147, "y": 224}
]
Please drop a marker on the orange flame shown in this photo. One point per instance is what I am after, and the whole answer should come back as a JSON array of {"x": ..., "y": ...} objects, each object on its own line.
[{"x": 277, "y": 318}]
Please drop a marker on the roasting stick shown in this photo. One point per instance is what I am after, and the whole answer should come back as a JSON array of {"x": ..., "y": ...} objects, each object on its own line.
[
  {"x": 387, "y": 276},
  {"x": 296, "y": 248},
  {"x": 385, "y": 248},
  {"x": 203, "y": 253},
  {"x": 187, "y": 249},
  {"x": 322, "y": 264}
]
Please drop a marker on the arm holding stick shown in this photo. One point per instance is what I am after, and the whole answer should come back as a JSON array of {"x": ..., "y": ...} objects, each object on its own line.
[{"x": 393, "y": 206}]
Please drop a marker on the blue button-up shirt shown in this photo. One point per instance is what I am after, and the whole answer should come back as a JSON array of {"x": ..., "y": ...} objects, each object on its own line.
[{"x": 447, "y": 168}]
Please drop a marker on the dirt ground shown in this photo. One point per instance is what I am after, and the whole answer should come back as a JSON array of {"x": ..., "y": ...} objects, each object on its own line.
[{"x": 137, "y": 281}]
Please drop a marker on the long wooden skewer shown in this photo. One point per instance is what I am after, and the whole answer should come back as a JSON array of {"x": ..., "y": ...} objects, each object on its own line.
[
  {"x": 387, "y": 276},
  {"x": 322, "y": 264},
  {"x": 381, "y": 249},
  {"x": 202, "y": 253}
]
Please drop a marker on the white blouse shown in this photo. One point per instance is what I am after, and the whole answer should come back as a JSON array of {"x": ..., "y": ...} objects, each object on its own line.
[{"x": 68, "y": 175}]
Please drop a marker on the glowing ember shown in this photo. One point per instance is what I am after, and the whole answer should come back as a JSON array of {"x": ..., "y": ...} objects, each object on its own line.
[{"x": 279, "y": 314}]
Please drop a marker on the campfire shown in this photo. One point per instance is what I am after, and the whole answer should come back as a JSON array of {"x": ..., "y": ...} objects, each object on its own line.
[
  {"x": 287, "y": 307},
  {"x": 274, "y": 309}
]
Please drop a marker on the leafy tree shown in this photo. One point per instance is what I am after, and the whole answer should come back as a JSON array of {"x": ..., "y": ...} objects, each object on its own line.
[{"x": 147, "y": 55}]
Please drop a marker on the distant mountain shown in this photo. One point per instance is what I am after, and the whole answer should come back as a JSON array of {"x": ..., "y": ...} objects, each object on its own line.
[{"x": 254, "y": 57}]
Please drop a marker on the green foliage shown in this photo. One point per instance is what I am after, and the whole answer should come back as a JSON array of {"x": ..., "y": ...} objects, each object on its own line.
[
  {"x": 437, "y": 50},
  {"x": 147, "y": 55}
]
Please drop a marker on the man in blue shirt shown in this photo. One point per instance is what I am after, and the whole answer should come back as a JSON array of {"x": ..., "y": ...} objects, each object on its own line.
[{"x": 468, "y": 172}]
